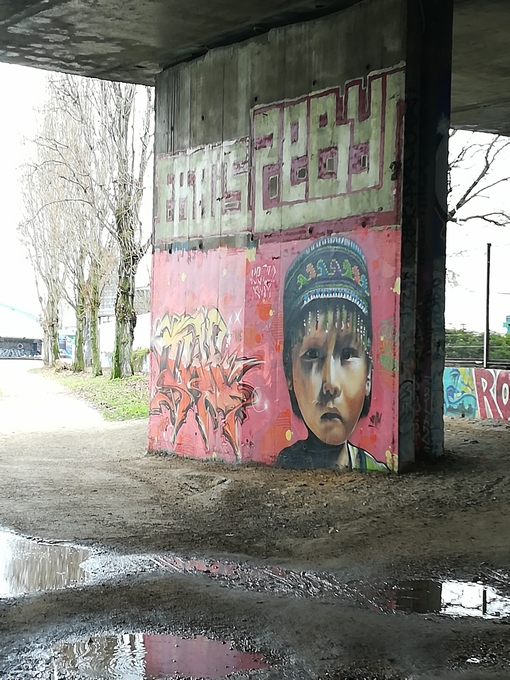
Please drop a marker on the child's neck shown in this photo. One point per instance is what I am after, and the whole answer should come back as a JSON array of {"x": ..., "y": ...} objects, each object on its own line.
[{"x": 344, "y": 458}]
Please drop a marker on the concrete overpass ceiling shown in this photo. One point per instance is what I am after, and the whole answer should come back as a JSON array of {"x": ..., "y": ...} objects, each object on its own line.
[
  {"x": 481, "y": 66},
  {"x": 133, "y": 40}
]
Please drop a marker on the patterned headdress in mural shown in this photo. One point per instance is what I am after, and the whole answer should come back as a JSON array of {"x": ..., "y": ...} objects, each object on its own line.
[{"x": 332, "y": 268}]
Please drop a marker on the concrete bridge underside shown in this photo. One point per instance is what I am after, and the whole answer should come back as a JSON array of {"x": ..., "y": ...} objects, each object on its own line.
[
  {"x": 300, "y": 209},
  {"x": 136, "y": 39}
]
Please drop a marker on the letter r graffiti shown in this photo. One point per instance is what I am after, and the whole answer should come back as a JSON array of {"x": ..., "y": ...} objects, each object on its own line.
[{"x": 487, "y": 404}]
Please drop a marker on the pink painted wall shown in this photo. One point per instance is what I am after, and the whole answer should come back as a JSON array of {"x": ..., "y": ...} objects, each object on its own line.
[
  {"x": 239, "y": 292},
  {"x": 315, "y": 186}
]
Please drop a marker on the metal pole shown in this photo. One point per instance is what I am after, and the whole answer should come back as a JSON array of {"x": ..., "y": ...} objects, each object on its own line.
[{"x": 486, "y": 340}]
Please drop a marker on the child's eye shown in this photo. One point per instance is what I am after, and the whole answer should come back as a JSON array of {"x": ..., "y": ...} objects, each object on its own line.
[
  {"x": 348, "y": 353},
  {"x": 311, "y": 354}
]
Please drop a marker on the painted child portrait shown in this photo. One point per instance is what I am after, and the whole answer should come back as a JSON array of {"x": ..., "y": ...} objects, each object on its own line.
[{"x": 327, "y": 354}]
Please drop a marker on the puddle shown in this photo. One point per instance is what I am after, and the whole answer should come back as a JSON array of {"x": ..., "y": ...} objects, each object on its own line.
[
  {"x": 27, "y": 566},
  {"x": 143, "y": 657},
  {"x": 451, "y": 598}
]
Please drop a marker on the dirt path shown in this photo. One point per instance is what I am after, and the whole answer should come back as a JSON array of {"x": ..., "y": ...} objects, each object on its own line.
[
  {"x": 65, "y": 474},
  {"x": 72, "y": 476},
  {"x": 29, "y": 403}
]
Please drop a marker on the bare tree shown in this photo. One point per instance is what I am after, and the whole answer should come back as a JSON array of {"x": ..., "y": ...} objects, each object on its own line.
[
  {"x": 89, "y": 257},
  {"x": 473, "y": 172},
  {"x": 131, "y": 144},
  {"x": 98, "y": 149},
  {"x": 40, "y": 232},
  {"x": 108, "y": 167},
  {"x": 89, "y": 253},
  {"x": 476, "y": 170},
  {"x": 62, "y": 167}
]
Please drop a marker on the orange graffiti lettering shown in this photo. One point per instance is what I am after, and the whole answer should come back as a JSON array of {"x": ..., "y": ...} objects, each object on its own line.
[{"x": 200, "y": 377}]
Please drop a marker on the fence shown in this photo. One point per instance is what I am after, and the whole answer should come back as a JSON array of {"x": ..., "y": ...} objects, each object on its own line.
[{"x": 466, "y": 348}]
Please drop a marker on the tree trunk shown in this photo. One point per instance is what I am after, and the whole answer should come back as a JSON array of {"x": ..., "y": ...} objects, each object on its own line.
[
  {"x": 46, "y": 347},
  {"x": 79, "y": 359},
  {"x": 94, "y": 331},
  {"x": 125, "y": 320},
  {"x": 125, "y": 315},
  {"x": 54, "y": 351}
]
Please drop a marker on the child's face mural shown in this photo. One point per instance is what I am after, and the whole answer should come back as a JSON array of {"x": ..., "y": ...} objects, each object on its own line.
[{"x": 330, "y": 378}]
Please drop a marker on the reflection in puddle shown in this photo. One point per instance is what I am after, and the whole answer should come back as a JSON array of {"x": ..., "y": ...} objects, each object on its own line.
[
  {"x": 139, "y": 656},
  {"x": 27, "y": 566},
  {"x": 261, "y": 578},
  {"x": 452, "y": 598}
]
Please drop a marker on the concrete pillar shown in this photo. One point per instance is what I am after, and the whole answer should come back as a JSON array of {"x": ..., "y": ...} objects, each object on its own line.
[
  {"x": 298, "y": 275},
  {"x": 428, "y": 89}
]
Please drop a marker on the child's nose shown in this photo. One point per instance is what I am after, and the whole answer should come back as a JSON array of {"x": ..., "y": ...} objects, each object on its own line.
[{"x": 330, "y": 382}]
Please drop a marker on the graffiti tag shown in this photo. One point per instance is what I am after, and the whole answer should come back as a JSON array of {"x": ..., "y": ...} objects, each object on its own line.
[{"x": 262, "y": 279}]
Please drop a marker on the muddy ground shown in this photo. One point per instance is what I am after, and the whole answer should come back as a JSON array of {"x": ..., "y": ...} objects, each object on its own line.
[{"x": 91, "y": 482}]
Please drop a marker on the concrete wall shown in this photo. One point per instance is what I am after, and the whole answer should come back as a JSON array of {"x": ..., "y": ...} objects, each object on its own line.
[
  {"x": 477, "y": 393},
  {"x": 276, "y": 270},
  {"x": 19, "y": 348},
  {"x": 210, "y": 100}
]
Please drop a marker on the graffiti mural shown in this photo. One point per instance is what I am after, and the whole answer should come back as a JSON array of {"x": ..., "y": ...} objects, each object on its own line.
[
  {"x": 328, "y": 154},
  {"x": 296, "y": 375},
  {"x": 200, "y": 374},
  {"x": 282, "y": 347},
  {"x": 459, "y": 393},
  {"x": 493, "y": 393},
  {"x": 477, "y": 393},
  {"x": 327, "y": 330},
  {"x": 203, "y": 192}
]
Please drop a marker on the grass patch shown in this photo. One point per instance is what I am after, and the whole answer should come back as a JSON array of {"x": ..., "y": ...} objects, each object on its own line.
[{"x": 125, "y": 399}]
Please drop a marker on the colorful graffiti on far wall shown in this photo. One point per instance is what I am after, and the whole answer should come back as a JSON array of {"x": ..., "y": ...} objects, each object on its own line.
[
  {"x": 477, "y": 393},
  {"x": 283, "y": 351}
]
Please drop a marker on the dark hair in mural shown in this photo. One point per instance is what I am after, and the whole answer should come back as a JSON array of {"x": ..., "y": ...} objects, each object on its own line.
[{"x": 327, "y": 353}]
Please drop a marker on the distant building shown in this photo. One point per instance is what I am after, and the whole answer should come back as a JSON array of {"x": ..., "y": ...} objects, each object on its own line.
[
  {"x": 107, "y": 321},
  {"x": 107, "y": 306}
]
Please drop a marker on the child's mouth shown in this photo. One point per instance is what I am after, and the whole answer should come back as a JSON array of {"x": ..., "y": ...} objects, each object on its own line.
[{"x": 331, "y": 415}]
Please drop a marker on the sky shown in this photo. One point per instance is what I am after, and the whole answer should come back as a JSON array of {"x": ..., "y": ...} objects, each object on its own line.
[
  {"x": 24, "y": 88},
  {"x": 466, "y": 244},
  {"x": 18, "y": 121}
]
